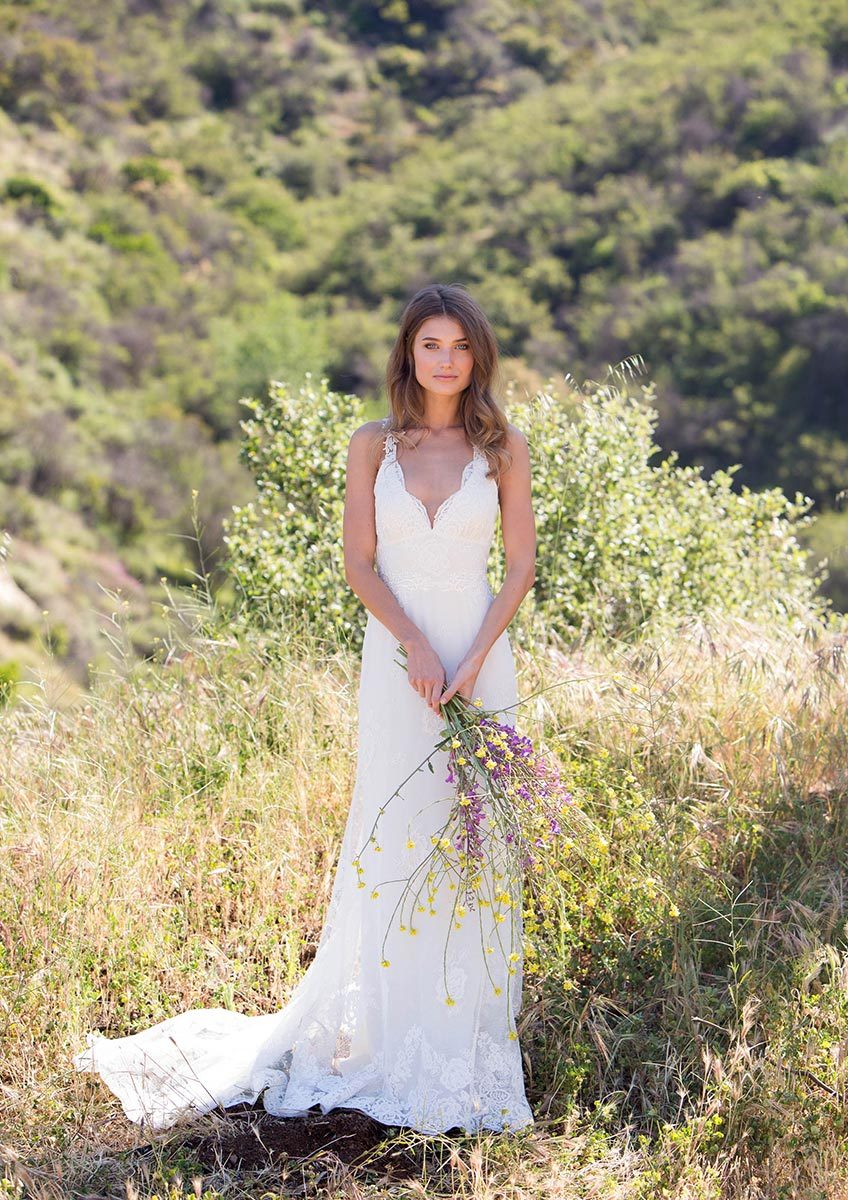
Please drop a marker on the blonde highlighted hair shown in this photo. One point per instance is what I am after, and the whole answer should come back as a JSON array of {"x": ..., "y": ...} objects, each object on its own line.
[{"x": 484, "y": 420}]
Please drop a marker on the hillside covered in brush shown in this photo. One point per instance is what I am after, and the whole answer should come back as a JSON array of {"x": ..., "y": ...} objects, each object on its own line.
[{"x": 198, "y": 198}]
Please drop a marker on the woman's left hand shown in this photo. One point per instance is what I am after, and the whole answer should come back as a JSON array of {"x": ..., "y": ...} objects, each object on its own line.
[{"x": 463, "y": 681}]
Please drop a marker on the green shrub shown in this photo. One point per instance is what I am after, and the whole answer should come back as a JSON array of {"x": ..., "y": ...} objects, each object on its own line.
[
  {"x": 620, "y": 540},
  {"x": 21, "y": 187},
  {"x": 148, "y": 170},
  {"x": 285, "y": 548}
]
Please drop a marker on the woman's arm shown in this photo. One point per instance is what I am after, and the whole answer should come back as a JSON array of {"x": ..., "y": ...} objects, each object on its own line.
[
  {"x": 519, "y": 537},
  {"x": 359, "y": 534}
]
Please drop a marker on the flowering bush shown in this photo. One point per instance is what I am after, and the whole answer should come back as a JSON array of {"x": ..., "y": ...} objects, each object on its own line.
[{"x": 620, "y": 539}]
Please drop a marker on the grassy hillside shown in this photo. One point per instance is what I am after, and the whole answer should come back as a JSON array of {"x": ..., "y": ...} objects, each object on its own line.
[{"x": 198, "y": 198}]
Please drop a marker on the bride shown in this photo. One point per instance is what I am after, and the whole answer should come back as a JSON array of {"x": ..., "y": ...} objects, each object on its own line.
[{"x": 398, "y": 1021}]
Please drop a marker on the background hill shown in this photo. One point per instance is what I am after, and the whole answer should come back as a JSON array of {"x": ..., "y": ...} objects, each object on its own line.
[{"x": 196, "y": 198}]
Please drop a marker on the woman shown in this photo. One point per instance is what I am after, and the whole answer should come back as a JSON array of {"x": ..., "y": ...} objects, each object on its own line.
[{"x": 370, "y": 1025}]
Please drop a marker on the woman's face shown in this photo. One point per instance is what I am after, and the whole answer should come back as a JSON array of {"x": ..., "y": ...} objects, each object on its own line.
[{"x": 442, "y": 355}]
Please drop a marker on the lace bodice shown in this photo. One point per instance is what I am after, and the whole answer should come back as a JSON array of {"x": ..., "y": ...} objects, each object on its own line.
[{"x": 449, "y": 554}]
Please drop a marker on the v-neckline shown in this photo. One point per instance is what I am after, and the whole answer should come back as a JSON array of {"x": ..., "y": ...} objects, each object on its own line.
[{"x": 466, "y": 475}]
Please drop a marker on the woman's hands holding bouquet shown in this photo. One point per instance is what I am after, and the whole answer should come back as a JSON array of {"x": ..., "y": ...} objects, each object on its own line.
[{"x": 427, "y": 675}]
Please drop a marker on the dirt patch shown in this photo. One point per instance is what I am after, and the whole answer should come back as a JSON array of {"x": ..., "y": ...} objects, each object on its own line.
[{"x": 252, "y": 1139}]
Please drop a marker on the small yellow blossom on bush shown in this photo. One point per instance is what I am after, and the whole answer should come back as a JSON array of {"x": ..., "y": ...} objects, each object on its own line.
[
  {"x": 419, "y": 908},
  {"x": 490, "y": 764},
  {"x": 374, "y": 895},
  {"x": 412, "y": 929},
  {"x": 673, "y": 910},
  {"x": 461, "y": 910},
  {"x": 490, "y": 949},
  {"x": 456, "y": 743},
  {"x": 478, "y": 702},
  {"x": 361, "y": 884},
  {"x": 498, "y": 991},
  {"x": 513, "y": 1036},
  {"x": 449, "y": 1000},
  {"x": 385, "y": 963},
  {"x": 514, "y": 957},
  {"x": 410, "y": 845},
  {"x": 462, "y": 761}
]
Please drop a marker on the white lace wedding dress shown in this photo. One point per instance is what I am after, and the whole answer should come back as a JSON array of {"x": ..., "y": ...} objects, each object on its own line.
[{"x": 354, "y": 1033}]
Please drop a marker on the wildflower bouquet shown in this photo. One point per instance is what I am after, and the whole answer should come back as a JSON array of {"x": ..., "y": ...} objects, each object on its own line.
[{"x": 510, "y": 808}]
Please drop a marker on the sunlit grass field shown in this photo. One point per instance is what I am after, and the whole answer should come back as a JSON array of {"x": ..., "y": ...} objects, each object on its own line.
[{"x": 172, "y": 844}]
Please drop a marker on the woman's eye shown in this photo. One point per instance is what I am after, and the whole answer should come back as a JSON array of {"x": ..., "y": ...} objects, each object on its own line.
[{"x": 432, "y": 346}]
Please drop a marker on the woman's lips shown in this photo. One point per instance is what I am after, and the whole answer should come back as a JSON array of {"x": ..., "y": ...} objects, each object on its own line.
[{"x": 444, "y": 377}]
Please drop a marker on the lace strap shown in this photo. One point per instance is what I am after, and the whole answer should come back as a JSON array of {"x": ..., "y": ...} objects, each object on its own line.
[{"x": 390, "y": 447}]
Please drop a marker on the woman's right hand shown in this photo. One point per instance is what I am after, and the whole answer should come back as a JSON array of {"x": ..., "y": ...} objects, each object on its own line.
[{"x": 426, "y": 673}]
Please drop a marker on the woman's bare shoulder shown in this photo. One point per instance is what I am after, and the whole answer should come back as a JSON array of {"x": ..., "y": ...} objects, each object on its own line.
[
  {"x": 515, "y": 439},
  {"x": 365, "y": 440}
]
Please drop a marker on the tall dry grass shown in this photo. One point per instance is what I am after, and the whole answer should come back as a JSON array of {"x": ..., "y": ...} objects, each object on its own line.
[{"x": 172, "y": 844}]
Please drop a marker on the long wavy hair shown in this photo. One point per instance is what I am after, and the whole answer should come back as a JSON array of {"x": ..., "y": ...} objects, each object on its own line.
[{"x": 484, "y": 420}]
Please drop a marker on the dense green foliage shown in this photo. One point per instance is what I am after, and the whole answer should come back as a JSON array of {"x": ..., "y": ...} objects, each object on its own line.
[
  {"x": 197, "y": 198},
  {"x": 620, "y": 540}
]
